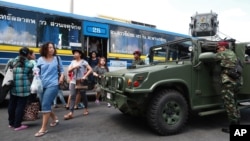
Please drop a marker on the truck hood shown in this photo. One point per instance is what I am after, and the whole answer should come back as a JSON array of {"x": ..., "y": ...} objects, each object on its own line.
[{"x": 146, "y": 68}]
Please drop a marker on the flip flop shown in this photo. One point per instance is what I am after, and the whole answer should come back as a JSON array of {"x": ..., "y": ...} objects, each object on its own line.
[
  {"x": 86, "y": 112},
  {"x": 54, "y": 123},
  {"x": 39, "y": 134},
  {"x": 68, "y": 116}
]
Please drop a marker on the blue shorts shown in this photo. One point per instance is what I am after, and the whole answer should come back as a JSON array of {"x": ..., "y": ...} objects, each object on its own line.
[{"x": 47, "y": 98}]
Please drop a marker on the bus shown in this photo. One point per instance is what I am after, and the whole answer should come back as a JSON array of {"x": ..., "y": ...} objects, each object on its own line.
[{"x": 116, "y": 39}]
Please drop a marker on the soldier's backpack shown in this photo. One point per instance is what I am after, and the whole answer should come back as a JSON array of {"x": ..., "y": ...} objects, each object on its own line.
[{"x": 236, "y": 72}]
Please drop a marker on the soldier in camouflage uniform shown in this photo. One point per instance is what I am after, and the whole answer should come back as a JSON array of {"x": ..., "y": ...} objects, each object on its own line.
[
  {"x": 137, "y": 59},
  {"x": 229, "y": 85}
]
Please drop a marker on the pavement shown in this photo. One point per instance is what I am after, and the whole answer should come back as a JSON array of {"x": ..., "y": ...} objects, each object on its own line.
[
  {"x": 90, "y": 94},
  {"x": 77, "y": 129}
]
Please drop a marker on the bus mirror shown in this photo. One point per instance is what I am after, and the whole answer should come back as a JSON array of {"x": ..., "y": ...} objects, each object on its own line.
[{"x": 207, "y": 56}]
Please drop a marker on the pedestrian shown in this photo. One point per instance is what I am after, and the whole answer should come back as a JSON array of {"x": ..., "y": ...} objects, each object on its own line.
[
  {"x": 93, "y": 61},
  {"x": 137, "y": 59},
  {"x": 81, "y": 69},
  {"x": 50, "y": 78},
  {"x": 227, "y": 60},
  {"x": 32, "y": 58},
  {"x": 61, "y": 97},
  {"x": 98, "y": 72},
  {"x": 20, "y": 91},
  {"x": 78, "y": 103}
]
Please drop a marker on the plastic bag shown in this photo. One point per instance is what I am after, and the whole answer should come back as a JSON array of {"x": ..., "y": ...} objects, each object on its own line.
[{"x": 36, "y": 86}]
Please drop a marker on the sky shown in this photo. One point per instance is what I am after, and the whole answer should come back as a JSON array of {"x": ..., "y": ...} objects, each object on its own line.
[{"x": 169, "y": 15}]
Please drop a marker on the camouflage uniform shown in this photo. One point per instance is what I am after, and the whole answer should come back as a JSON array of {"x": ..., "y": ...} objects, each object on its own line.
[{"x": 229, "y": 86}]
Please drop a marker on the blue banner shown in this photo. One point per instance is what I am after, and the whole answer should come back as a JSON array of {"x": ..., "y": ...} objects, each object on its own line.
[{"x": 95, "y": 29}]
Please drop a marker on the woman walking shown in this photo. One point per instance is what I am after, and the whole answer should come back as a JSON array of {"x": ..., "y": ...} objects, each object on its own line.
[
  {"x": 81, "y": 70},
  {"x": 47, "y": 64}
]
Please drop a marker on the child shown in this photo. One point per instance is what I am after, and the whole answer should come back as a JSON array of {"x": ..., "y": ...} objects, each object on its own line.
[{"x": 98, "y": 72}]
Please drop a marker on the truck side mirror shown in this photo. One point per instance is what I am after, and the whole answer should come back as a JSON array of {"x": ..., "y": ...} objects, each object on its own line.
[{"x": 207, "y": 57}]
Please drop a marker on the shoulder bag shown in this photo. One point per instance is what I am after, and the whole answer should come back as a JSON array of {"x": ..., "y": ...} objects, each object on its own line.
[
  {"x": 80, "y": 83},
  {"x": 64, "y": 85},
  {"x": 9, "y": 76},
  {"x": 8, "y": 82}
]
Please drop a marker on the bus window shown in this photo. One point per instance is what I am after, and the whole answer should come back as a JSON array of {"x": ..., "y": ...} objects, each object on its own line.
[
  {"x": 17, "y": 27},
  {"x": 62, "y": 31}
]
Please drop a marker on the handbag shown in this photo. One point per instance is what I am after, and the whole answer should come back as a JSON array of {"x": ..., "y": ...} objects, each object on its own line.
[
  {"x": 8, "y": 82},
  {"x": 81, "y": 84},
  {"x": 64, "y": 85},
  {"x": 9, "y": 76},
  {"x": 31, "y": 111}
]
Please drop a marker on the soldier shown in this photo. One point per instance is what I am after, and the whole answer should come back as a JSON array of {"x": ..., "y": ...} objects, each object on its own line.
[
  {"x": 137, "y": 59},
  {"x": 228, "y": 61}
]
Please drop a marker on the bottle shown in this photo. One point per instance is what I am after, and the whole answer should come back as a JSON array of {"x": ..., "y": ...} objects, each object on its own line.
[{"x": 147, "y": 60}]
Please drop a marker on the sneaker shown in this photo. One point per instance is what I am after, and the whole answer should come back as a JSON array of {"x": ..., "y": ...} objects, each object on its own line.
[
  {"x": 109, "y": 105},
  {"x": 81, "y": 105},
  {"x": 21, "y": 127},
  {"x": 97, "y": 101}
]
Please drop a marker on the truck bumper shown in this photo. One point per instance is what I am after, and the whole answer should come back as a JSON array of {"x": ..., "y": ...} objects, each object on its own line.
[{"x": 117, "y": 100}]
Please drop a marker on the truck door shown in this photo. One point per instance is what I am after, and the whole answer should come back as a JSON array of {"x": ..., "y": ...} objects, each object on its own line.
[{"x": 206, "y": 79}]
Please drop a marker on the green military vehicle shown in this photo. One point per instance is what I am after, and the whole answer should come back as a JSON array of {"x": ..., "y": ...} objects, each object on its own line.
[{"x": 166, "y": 92}]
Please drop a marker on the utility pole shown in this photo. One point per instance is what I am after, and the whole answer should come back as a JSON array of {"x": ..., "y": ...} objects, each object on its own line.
[{"x": 72, "y": 6}]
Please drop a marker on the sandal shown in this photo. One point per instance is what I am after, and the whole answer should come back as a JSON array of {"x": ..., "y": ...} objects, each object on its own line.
[
  {"x": 41, "y": 133},
  {"x": 86, "y": 112},
  {"x": 54, "y": 123},
  {"x": 68, "y": 116}
]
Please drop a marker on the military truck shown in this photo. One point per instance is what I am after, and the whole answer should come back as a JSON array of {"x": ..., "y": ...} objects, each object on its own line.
[{"x": 166, "y": 92}]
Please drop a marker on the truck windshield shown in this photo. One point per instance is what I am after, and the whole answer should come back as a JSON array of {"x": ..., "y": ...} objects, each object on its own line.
[{"x": 174, "y": 51}]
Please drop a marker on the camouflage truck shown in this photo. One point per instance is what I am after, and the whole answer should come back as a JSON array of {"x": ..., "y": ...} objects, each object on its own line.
[{"x": 166, "y": 92}]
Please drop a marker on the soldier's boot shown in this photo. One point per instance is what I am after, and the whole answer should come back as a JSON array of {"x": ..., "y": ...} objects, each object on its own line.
[{"x": 227, "y": 130}]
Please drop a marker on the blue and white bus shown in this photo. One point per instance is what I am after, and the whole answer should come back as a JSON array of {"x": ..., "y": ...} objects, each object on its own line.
[{"x": 28, "y": 26}]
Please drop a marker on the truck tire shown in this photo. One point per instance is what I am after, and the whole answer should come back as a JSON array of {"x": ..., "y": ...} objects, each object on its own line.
[{"x": 167, "y": 112}]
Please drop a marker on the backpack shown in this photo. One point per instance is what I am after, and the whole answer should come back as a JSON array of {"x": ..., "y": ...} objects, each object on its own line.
[{"x": 236, "y": 72}]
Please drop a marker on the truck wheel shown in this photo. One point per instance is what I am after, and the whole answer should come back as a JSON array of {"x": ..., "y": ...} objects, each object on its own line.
[{"x": 168, "y": 112}]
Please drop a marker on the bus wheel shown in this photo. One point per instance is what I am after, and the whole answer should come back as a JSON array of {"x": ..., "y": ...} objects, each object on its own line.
[{"x": 167, "y": 112}]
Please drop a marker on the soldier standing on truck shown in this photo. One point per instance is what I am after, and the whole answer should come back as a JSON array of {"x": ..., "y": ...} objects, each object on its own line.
[
  {"x": 137, "y": 59},
  {"x": 230, "y": 85}
]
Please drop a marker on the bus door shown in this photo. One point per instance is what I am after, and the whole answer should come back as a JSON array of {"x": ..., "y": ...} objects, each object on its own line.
[{"x": 97, "y": 44}]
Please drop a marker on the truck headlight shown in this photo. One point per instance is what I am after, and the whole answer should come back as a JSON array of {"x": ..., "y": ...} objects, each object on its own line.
[{"x": 119, "y": 83}]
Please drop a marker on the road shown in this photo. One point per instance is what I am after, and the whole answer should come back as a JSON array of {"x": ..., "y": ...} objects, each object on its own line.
[{"x": 108, "y": 124}]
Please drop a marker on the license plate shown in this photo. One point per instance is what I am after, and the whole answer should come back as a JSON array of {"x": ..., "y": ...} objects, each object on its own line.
[{"x": 108, "y": 95}]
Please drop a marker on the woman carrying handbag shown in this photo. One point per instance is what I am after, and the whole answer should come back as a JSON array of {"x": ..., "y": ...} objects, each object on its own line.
[{"x": 81, "y": 70}]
